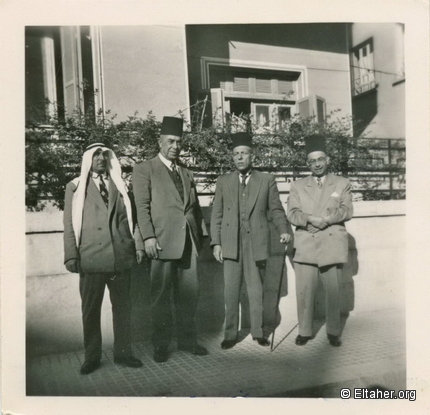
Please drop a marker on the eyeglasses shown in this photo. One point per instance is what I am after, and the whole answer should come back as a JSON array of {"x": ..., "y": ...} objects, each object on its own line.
[{"x": 315, "y": 161}]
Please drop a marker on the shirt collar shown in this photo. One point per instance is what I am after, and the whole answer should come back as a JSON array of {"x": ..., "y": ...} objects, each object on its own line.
[
  {"x": 166, "y": 162},
  {"x": 97, "y": 175},
  {"x": 322, "y": 178}
]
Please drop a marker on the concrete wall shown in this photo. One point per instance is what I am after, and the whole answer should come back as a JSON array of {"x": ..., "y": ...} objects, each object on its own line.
[
  {"x": 388, "y": 42},
  {"x": 320, "y": 48},
  {"x": 144, "y": 69},
  {"x": 374, "y": 279}
]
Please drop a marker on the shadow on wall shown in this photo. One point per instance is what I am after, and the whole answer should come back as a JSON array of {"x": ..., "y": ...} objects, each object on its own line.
[{"x": 364, "y": 109}]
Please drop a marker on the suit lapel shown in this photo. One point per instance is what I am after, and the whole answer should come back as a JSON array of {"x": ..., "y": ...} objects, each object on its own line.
[
  {"x": 311, "y": 188},
  {"x": 94, "y": 194},
  {"x": 167, "y": 181},
  {"x": 113, "y": 194},
  {"x": 327, "y": 190},
  {"x": 253, "y": 190},
  {"x": 233, "y": 188},
  {"x": 186, "y": 180}
]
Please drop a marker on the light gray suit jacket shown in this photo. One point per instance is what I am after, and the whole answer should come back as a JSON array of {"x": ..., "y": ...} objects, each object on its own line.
[{"x": 329, "y": 246}]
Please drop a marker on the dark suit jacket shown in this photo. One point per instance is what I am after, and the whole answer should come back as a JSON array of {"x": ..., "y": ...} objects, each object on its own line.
[
  {"x": 161, "y": 212},
  {"x": 106, "y": 243},
  {"x": 263, "y": 202},
  {"x": 329, "y": 246}
]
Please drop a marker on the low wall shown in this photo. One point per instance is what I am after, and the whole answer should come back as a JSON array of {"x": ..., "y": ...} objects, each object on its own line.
[{"x": 374, "y": 279}]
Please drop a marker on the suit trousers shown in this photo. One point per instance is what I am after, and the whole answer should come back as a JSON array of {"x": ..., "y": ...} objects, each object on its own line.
[
  {"x": 273, "y": 290},
  {"x": 92, "y": 288},
  {"x": 306, "y": 285},
  {"x": 174, "y": 283},
  {"x": 234, "y": 272}
]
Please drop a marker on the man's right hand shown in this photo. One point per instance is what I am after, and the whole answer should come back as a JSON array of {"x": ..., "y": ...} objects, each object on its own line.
[
  {"x": 218, "y": 253},
  {"x": 152, "y": 247},
  {"x": 72, "y": 265},
  {"x": 318, "y": 222}
]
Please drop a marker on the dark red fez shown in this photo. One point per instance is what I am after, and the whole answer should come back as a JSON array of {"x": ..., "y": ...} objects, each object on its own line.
[
  {"x": 241, "y": 139},
  {"x": 315, "y": 143},
  {"x": 172, "y": 126}
]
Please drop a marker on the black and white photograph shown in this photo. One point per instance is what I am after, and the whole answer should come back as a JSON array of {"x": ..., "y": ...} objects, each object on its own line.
[{"x": 218, "y": 208}]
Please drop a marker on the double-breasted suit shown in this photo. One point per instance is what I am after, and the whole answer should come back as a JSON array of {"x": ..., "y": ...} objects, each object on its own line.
[
  {"x": 178, "y": 226},
  {"x": 106, "y": 254},
  {"x": 321, "y": 252},
  {"x": 240, "y": 226}
]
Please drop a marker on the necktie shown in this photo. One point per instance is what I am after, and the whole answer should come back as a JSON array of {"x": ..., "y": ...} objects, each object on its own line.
[
  {"x": 104, "y": 191},
  {"x": 177, "y": 180},
  {"x": 243, "y": 180},
  {"x": 319, "y": 182}
]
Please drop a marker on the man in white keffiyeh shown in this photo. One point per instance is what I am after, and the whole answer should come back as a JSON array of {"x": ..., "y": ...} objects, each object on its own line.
[{"x": 98, "y": 244}]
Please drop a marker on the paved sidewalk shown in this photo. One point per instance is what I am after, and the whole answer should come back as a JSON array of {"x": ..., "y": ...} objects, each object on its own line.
[{"x": 373, "y": 354}]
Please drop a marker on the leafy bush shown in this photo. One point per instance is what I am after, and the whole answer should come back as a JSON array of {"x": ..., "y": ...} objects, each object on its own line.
[{"x": 54, "y": 150}]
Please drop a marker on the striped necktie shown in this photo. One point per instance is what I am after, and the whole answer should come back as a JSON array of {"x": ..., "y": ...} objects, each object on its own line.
[
  {"x": 104, "y": 191},
  {"x": 243, "y": 180},
  {"x": 319, "y": 183}
]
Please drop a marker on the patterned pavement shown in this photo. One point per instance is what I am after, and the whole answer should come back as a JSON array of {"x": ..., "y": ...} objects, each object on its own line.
[{"x": 373, "y": 353}]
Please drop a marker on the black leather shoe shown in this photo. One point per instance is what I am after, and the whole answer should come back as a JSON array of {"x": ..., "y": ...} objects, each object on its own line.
[
  {"x": 302, "y": 340},
  {"x": 195, "y": 349},
  {"x": 228, "y": 344},
  {"x": 89, "y": 367},
  {"x": 161, "y": 354},
  {"x": 334, "y": 340},
  {"x": 129, "y": 361},
  {"x": 262, "y": 341}
]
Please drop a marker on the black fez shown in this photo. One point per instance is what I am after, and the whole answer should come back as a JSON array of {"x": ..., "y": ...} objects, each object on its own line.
[
  {"x": 315, "y": 143},
  {"x": 172, "y": 126},
  {"x": 241, "y": 139}
]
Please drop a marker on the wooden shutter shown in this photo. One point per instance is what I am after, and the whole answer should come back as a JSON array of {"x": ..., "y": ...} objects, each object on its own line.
[
  {"x": 304, "y": 105},
  {"x": 212, "y": 106},
  {"x": 312, "y": 106},
  {"x": 72, "y": 69}
]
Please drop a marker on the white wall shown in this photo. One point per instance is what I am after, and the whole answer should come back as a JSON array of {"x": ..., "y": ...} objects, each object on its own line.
[{"x": 373, "y": 280}]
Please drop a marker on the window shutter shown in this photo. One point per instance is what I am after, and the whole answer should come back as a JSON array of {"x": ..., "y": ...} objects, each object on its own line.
[
  {"x": 240, "y": 84},
  {"x": 212, "y": 106},
  {"x": 304, "y": 105},
  {"x": 320, "y": 109},
  {"x": 72, "y": 69},
  {"x": 263, "y": 86},
  {"x": 313, "y": 106}
]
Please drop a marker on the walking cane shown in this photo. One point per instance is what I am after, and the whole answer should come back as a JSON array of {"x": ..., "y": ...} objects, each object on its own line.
[{"x": 278, "y": 297}]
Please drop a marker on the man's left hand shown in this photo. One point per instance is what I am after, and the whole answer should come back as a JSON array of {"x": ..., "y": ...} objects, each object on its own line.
[
  {"x": 140, "y": 255},
  {"x": 285, "y": 238}
]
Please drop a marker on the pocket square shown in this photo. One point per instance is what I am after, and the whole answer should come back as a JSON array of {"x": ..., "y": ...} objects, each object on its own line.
[{"x": 334, "y": 194}]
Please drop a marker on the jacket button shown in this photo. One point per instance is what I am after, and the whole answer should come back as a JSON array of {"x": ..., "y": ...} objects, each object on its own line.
[
  {"x": 99, "y": 229},
  {"x": 330, "y": 234}
]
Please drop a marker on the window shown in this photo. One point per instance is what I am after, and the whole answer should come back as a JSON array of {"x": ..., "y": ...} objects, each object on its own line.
[
  {"x": 362, "y": 68},
  {"x": 62, "y": 71}
]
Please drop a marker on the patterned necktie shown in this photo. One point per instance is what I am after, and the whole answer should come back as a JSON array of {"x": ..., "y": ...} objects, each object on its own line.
[
  {"x": 319, "y": 182},
  {"x": 177, "y": 180},
  {"x": 104, "y": 191}
]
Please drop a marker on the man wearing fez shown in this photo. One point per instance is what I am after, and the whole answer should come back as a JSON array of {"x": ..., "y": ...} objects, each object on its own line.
[
  {"x": 172, "y": 227},
  {"x": 98, "y": 244},
  {"x": 319, "y": 205},
  {"x": 240, "y": 236}
]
